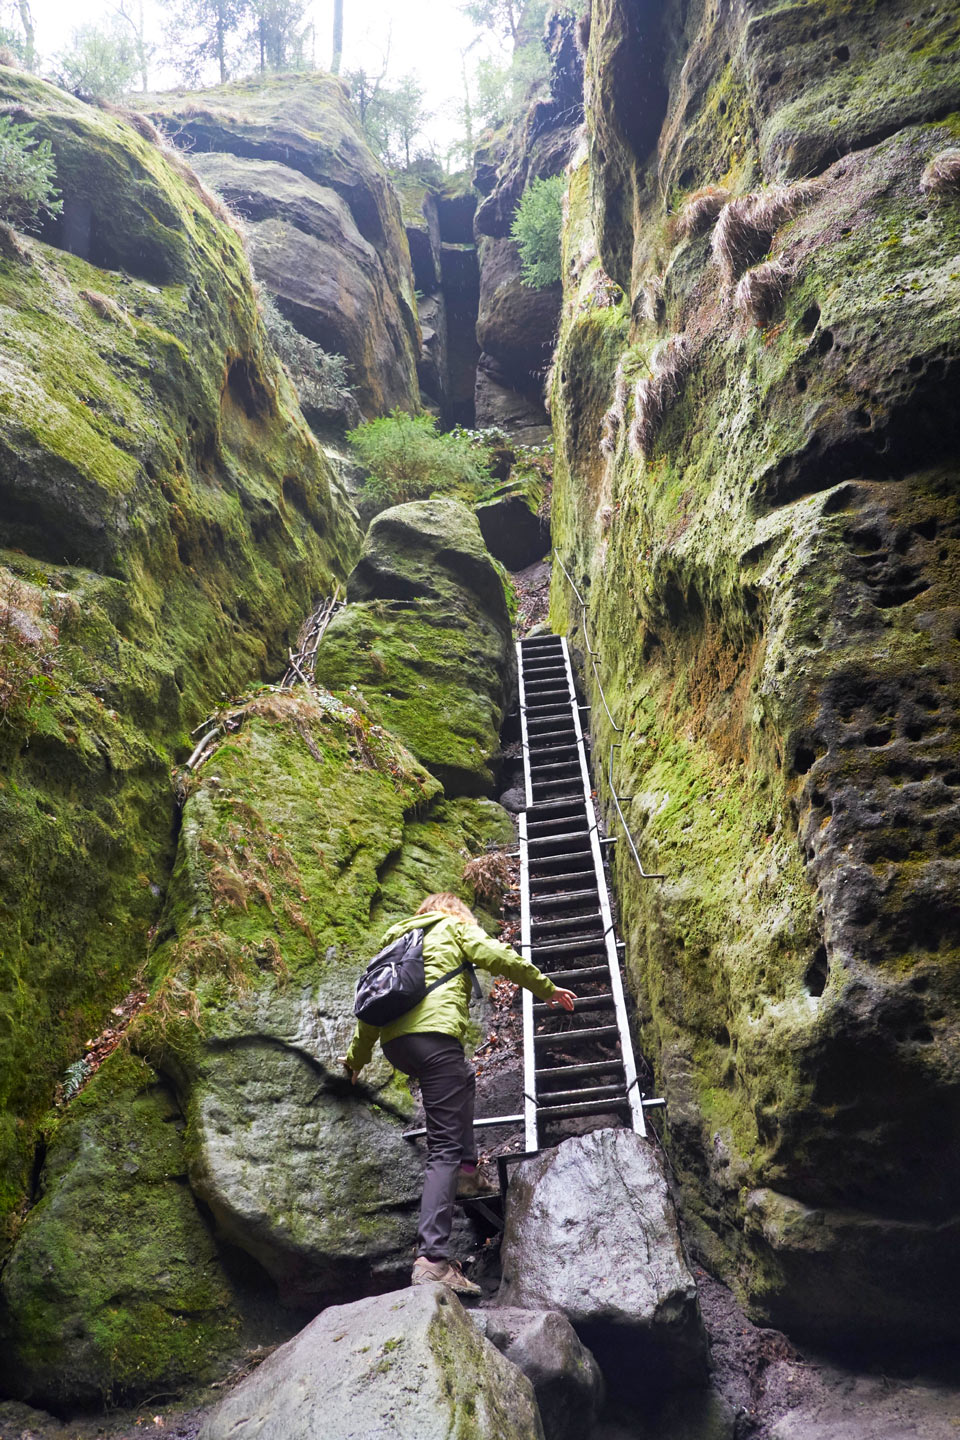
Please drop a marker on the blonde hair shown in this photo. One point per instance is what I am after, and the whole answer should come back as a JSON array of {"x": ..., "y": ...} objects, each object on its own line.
[{"x": 450, "y": 904}]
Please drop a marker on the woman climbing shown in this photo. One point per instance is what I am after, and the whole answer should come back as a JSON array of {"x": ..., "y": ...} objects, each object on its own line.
[{"x": 427, "y": 1043}]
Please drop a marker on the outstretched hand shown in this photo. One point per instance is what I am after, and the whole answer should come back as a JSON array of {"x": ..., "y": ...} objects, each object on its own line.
[
  {"x": 563, "y": 999},
  {"x": 351, "y": 1072}
]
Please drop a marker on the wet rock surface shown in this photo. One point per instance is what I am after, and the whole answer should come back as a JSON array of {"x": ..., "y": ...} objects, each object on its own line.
[
  {"x": 408, "y": 1365},
  {"x": 591, "y": 1231},
  {"x": 284, "y": 154},
  {"x": 566, "y": 1379}
]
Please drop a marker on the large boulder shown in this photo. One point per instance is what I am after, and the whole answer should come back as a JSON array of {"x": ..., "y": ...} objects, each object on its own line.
[
  {"x": 591, "y": 1231},
  {"x": 516, "y": 323},
  {"x": 767, "y": 530},
  {"x": 115, "y": 1284},
  {"x": 426, "y": 638},
  {"x": 407, "y": 1365},
  {"x": 342, "y": 274},
  {"x": 566, "y": 1379},
  {"x": 512, "y": 523},
  {"x": 166, "y": 518}
]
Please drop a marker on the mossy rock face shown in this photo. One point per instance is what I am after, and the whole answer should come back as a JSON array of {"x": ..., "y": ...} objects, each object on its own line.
[
  {"x": 276, "y": 150},
  {"x": 167, "y": 519},
  {"x": 115, "y": 1287},
  {"x": 427, "y": 639},
  {"x": 309, "y": 833},
  {"x": 771, "y": 569}
]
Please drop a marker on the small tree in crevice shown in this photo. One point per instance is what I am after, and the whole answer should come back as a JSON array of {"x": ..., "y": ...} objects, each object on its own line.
[
  {"x": 536, "y": 229},
  {"x": 27, "y": 174}
]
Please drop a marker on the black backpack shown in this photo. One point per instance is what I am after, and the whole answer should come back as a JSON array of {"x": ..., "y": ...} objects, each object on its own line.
[{"x": 394, "y": 981}]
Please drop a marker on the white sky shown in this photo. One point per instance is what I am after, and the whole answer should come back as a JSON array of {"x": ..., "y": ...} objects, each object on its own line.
[{"x": 426, "y": 39}]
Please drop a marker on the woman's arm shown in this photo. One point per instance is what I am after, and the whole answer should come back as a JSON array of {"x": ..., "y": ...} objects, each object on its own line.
[{"x": 500, "y": 959}]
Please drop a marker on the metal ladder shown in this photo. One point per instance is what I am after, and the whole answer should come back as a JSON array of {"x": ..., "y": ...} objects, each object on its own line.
[{"x": 578, "y": 1064}]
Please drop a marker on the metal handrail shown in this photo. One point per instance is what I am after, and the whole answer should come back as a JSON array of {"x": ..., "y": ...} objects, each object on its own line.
[{"x": 619, "y": 729}]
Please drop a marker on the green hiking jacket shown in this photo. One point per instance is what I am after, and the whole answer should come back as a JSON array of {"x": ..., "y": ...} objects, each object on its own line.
[{"x": 445, "y": 1011}]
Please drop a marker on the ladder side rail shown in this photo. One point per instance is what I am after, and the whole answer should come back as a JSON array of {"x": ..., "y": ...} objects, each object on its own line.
[
  {"x": 610, "y": 943},
  {"x": 531, "y": 1140},
  {"x": 524, "y": 737}
]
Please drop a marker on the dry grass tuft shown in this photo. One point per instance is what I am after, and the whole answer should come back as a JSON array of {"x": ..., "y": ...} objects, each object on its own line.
[
  {"x": 747, "y": 225},
  {"x": 654, "y": 394},
  {"x": 700, "y": 210},
  {"x": 942, "y": 174},
  {"x": 488, "y": 876},
  {"x": 760, "y": 291},
  {"x": 617, "y": 414},
  {"x": 107, "y": 309},
  {"x": 652, "y": 304}
]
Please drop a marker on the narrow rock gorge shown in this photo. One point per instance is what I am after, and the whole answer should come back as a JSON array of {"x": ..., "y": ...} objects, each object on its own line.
[{"x": 731, "y": 426}]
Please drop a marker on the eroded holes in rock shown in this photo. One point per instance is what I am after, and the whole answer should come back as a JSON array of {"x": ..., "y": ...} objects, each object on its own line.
[
  {"x": 915, "y": 364},
  {"x": 841, "y": 53},
  {"x": 247, "y": 390},
  {"x": 923, "y": 1035},
  {"x": 722, "y": 108},
  {"x": 774, "y": 77},
  {"x": 914, "y": 731},
  {"x": 862, "y": 419},
  {"x": 801, "y": 384},
  {"x": 864, "y": 539},
  {"x": 824, "y": 342},
  {"x": 920, "y": 984},
  {"x": 804, "y": 758},
  {"x": 877, "y": 735},
  {"x": 294, "y": 493},
  {"x": 928, "y": 702},
  {"x": 810, "y": 319},
  {"x": 952, "y": 778},
  {"x": 943, "y": 554},
  {"x": 927, "y": 528},
  {"x": 901, "y": 591},
  {"x": 817, "y": 972}
]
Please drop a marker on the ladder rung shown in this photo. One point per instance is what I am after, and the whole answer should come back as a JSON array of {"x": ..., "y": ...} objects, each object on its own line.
[
  {"x": 569, "y": 922},
  {"x": 567, "y": 1072},
  {"x": 568, "y": 897},
  {"x": 559, "y": 879},
  {"x": 587, "y": 972},
  {"x": 556, "y": 765},
  {"x": 576, "y": 1037},
  {"x": 570, "y": 947},
  {"x": 543, "y": 809},
  {"x": 593, "y": 1092},
  {"x": 554, "y": 735},
  {"x": 580, "y": 1005},
  {"x": 553, "y": 712},
  {"x": 540, "y": 861},
  {"x": 553, "y": 839},
  {"x": 591, "y": 1107}
]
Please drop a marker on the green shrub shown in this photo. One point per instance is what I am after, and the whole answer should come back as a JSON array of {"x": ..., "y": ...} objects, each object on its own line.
[
  {"x": 536, "y": 229},
  {"x": 100, "y": 64},
  {"x": 27, "y": 173},
  {"x": 406, "y": 457}
]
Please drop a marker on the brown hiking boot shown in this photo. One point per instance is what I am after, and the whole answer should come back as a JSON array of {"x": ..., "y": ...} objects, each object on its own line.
[{"x": 442, "y": 1272}]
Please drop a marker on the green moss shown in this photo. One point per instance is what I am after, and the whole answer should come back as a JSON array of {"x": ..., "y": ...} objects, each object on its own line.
[
  {"x": 167, "y": 511},
  {"x": 114, "y": 1286}
]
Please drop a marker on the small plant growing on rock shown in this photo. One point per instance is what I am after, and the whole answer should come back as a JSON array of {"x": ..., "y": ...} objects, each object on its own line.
[
  {"x": 488, "y": 876},
  {"x": 320, "y": 378},
  {"x": 760, "y": 291},
  {"x": 654, "y": 394},
  {"x": 942, "y": 174},
  {"x": 536, "y": 229},
  {"x": 700, "y": 210},
  {"x": 406, "y": 458},
  {"x": 747, "y": 225},
  {"x": 27, "y": 175}
]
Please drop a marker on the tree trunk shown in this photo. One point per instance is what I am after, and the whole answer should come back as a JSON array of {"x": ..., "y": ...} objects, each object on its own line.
[
  {"x": 29, "y": 34},
  {"x": 222, "y": 43},
  {"x": 337, "y": 37}
]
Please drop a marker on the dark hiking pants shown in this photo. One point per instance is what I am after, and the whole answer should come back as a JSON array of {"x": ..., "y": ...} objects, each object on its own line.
[{"x": 447, "y": 1085}]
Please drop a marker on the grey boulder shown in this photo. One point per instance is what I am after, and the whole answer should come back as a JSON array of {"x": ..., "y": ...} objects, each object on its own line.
[
  {"x": 566, "y": 1378},
  {"x": 408, "y": 1365},
  {"x": 591, "y": 1231}
]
